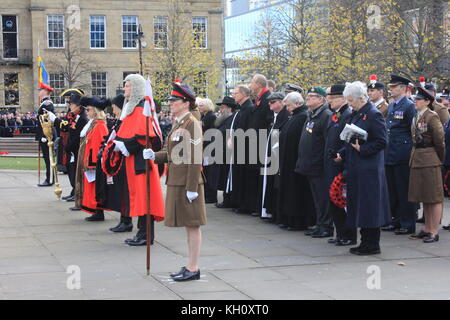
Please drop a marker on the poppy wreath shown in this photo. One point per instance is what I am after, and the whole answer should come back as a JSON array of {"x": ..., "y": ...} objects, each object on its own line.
[
  {"x": 111, "y": 160},
  {"x": 337, "y": 191}
]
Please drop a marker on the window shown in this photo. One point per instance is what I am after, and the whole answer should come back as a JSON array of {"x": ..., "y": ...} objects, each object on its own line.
[
  {"x": 99, "y": 84},
  {"x": 9, "y": 27},
  {"x": 129, "y": 31},
  {"x": 97, "y": 29},
  {"x": 160, "y": 32},
  {"x": 201, "y": 84},
  {"x": 55, "y": 27},
  {"x": 200, "y": 30},
  {"x": 57, "y": 82},
  {"x": 11, "y": 89}
]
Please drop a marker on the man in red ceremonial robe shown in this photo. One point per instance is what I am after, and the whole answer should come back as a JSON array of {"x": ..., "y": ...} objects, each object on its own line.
[
  {"x": 130, "y": 141},
  {"x": 92, "y": 137}
]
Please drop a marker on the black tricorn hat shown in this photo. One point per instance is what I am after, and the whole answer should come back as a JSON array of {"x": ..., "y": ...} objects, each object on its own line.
[
  {"x": 228, "y": 101},
  {"x": 396, "y": 80},
  {"x": 424, "y": 94},
  {"x": 71, "y": 91},
  {"x": 95, "y": 102},
  {"x": 182, "y": 91},
  {"x": 75, "y": 99},
  {"x": 337, "y": 89}
]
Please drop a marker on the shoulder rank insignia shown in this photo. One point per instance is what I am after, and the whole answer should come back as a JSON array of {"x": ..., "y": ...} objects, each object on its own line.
[{"x": 196, "y": 142}]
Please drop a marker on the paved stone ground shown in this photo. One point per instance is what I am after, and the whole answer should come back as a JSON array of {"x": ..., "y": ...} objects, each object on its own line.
[{"x": 242, "y": 257}]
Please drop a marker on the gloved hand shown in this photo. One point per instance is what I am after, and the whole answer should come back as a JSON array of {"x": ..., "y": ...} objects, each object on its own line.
[
  {"x": 120, "y": 147},
  {"x": 43, "y": 140},
  {"x": 191, "y": 196},
  {"x": 148, "y": 154},
  {"x": 51, "y": 116}
]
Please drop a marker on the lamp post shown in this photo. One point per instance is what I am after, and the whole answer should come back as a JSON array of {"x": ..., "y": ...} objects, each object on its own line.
[{"x": 139, "y": 37}]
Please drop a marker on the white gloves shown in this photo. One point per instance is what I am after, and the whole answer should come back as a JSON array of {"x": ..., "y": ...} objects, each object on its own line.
[
  {"x": 191, "y": 196},
  {"x": 43, "y": 140},
  {"x": 148, "y": 154},
  {"x": 51, "y": 116},
  {"x": 120, "y": 147}
]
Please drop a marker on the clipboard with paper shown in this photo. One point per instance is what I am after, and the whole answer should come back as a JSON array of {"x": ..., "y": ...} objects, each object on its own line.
[{"x": 352, "y": 132}]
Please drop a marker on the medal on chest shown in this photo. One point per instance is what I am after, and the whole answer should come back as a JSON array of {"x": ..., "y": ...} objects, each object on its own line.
[
  {"x": 176, "y": 135},
  {"x": 398, "y": 115},
  {"x": 422, "y": 126},
  {"x": 310, "y": 126}
]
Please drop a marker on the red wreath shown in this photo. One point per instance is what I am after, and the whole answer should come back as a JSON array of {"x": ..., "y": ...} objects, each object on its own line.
[
  {"x": 111, "y": 160},
  {"x": 337, "y": 191},
  {"x": 335, "y": 118}
]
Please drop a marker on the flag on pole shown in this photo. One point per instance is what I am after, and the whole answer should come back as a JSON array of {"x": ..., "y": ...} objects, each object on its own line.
[
  {"x": 150, "y": 108},
  {"x": 43, "y": 76}
]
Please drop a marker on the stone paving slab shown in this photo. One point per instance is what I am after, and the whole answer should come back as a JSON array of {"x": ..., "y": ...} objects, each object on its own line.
[{"x": 243, "y": 257}]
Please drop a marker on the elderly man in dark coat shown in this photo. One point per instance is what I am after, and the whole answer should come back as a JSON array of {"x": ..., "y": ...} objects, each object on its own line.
[
  {"x": 295, "y": 205},
  {"x": 367, "y": 194},
  {"x": 341, "y": 113}
]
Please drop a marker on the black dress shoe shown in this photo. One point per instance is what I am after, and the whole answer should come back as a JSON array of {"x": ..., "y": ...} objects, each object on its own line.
[
  {"x": 420, "y": 220},
  {"x": 431, "y": 238},
  {"x": 122, "y": 227},
  {"x": 179, "y": 273},
  {"x": 322, "y": 234},
  {"x": 311, "y": 232},
  {"x": 446, "y": 227},
  {"x": 345, "y": 242},
  {"x": 364, "y": 251},
  {"x": 95, "y": 217},
  {"x": 222, "y": 205},
  {"x": 256, "y": 214},
  {"x": 422, "y": 234},
  {"x": 389, "y": 228},
  {"x": 71, "y": 199},
  {"x": 403, "y": 231},
  {"x": 282, "y": 226},
  {"x": 333, "y": 240},
  {"x": 188, "y": 276},
  {"x": 138, "y": 240},
  {"x": 293, "y": 229},
  {"x": 45, "y": 184},
  {"x": 67, "y": 197},
  {"x": 74, "y": 209}
]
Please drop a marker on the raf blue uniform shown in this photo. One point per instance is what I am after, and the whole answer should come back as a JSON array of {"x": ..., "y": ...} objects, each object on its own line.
[{"x": 400, "y": 116}]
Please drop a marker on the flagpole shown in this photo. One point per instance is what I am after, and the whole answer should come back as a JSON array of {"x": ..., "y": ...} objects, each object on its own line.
[
  {"x": 39, "y": 102},
  {"x": 147, "y": 194}
]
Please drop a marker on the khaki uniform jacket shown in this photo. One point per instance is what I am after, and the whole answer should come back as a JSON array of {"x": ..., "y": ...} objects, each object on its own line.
[
  {"x": 383, "y": 108},
  {"x": 430, "y": 128},
  {"x": 183, "y": 151},
  {"x": 441, "y": 111}
]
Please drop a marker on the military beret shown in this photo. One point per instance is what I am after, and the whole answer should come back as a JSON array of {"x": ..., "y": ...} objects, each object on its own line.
[
  {"x": 319, "y": 90},
  {"x": 430, "y": 87},
  {"x": 377, "y": 85},
  {"x": 276, "y": 96}
]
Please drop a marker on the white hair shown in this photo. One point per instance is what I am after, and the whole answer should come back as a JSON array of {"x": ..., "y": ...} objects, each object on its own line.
[
  {"x": 294, "y": 98},
  {"x": 356, "y": 90},
  {"x": 205, "y": 102}
]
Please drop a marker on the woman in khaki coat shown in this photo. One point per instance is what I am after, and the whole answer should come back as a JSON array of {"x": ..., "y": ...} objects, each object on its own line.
[
  {"x": 427, "y": 156},
  {"x": 185, "y": 200}
]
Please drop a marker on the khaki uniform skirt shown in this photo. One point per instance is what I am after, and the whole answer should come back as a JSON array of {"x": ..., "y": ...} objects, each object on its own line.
[
  {"x": 425, "y": 185},
  {"x": 180, "y": 212}
]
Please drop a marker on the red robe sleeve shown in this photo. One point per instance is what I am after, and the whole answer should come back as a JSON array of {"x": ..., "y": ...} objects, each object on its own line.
[{"x": 94, "y": 141}]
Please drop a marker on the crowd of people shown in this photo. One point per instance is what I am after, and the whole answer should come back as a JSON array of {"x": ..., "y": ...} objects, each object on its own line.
[
  {"x": 326, "y": 184},
  {"x": 326, "y": 161}
]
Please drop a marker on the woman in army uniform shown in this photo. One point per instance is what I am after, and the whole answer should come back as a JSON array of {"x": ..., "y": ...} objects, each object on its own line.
[
  {"x": 185, "y": 200},
  {"x": 427, "y": 156}
]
